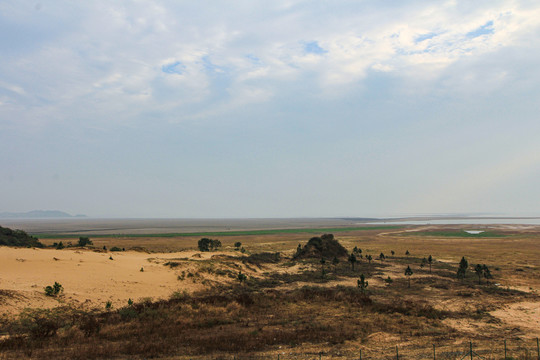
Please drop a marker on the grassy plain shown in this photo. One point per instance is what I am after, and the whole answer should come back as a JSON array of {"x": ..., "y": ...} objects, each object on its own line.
[{"x": 191, "y": 305}]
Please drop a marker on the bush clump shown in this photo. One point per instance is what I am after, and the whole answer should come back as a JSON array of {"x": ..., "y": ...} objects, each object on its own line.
[
  {"x": 84, "y": 241},
  {"x": 54, "y": 290},
  {"x": 264, "y": 257},
  {"x": 324, "y": 246},
  {"x": 10, "y": 237},
  {"x": 206, "y": 244}
]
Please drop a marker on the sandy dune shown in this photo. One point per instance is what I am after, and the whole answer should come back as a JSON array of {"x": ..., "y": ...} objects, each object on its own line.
[{"x": 88, "y": 277}]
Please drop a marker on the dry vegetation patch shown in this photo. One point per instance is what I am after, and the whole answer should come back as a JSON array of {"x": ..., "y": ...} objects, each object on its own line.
[{"x": 300, "y": 306}]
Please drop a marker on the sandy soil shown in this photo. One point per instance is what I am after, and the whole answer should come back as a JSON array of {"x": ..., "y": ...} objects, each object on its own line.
[
  {"x": 523, "y": 315},
  {"x": 88, "y": 277}
]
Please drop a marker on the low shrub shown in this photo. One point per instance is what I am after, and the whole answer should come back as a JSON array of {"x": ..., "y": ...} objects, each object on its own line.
[
  {"x": 172, "y": 264},
  {"x": 54, "y": 290}
]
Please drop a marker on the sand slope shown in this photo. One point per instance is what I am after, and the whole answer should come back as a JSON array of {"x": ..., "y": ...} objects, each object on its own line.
[{"x": 88, "y": 277}]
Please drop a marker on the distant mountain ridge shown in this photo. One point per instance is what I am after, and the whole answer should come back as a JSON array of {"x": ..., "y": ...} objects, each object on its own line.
[{"x": 37, "y": 214}]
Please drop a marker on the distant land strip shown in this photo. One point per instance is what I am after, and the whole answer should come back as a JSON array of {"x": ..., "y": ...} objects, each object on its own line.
[
  {"x": 224, "y": 233},
  {"x": 454, "y": 233}
]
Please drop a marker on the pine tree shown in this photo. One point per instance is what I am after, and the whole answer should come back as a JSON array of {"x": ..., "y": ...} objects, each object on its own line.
[
  {"x": 487, "y": 273},
  {"x": 479, "y": 270},
  {"x": 369, "y": 258},
  {"x": 362, "y": 283},
  {"x": 462, "y": 270},
  {"x": 352, "y": 260},
  {"x": 298, "y": 250},
  {"x": 408, "y": 273}
]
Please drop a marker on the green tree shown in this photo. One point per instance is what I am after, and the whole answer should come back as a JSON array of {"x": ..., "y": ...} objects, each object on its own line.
[
  {"x": 408, "y": 273},
  {"x": 298, "y": 250},
  {"x": 352, "y": 260},
  {"x": 83, "y": 241},
  {"x": 237, "y": 245},
  {"x": 362, "y": 283},
  {"x": 369, "y": 258},
  {"x": 430, "y": 261},
  {"x": 479, "y": 270},
  {"x": 462, "y": 270},
  {"x": 382, "y": 257},
  {"x": 323, "y": 261},
  {"x": 392, "y": 252},
  {"x": 215, "y": 244},
  {"x": 407, "y": 253},
  {"x": 487, "y": 273},
  {"x": 241, "y": 277},
  {"x": 204, "y": 244}
]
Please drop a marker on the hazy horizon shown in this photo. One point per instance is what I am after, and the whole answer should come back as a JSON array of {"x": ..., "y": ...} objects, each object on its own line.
[
  {"x": 20, "y": 216},
  {"x": 284, "y": 109}
]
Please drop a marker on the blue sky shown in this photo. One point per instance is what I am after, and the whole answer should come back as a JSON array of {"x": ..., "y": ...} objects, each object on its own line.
[{"x": 270, "y": 109}]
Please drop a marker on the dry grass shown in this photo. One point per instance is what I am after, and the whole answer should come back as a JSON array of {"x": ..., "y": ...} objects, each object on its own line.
[{"x": 289, "y": 308}]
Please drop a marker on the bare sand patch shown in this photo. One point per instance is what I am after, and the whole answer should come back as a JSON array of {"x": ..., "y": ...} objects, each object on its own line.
[
  {"x": 524, "y": 315},
  {"x": 88, "y": 277}
]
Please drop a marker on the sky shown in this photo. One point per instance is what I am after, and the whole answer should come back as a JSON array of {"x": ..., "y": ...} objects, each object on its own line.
[{"x": 285, "y": 108}]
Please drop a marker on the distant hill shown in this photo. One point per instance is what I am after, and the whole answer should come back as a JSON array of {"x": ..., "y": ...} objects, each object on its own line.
[
  {"x": 37, "y": 214},
  {"x": 10, "y": 237}
]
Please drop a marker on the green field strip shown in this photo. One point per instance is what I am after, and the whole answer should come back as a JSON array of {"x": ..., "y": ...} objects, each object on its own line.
[{"x": 221, "y": 233}]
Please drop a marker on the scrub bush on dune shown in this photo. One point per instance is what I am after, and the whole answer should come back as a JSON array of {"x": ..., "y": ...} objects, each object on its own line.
[{"x": 54, "y": 290}]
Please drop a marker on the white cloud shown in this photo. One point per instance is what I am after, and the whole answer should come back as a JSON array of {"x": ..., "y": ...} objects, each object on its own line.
[
  {"x": 12, "y": 88},
  {"x": 114, "y": 56}
]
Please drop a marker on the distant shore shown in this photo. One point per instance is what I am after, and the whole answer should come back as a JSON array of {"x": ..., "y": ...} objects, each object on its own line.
[{"x": 93, "y": 226}]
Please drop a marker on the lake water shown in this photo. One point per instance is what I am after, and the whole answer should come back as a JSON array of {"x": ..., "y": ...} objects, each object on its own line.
[{"x": 461, "y": 221}]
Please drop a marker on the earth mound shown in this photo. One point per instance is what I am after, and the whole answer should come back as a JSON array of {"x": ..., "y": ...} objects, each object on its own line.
[{"x": 324, "y": 246}]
